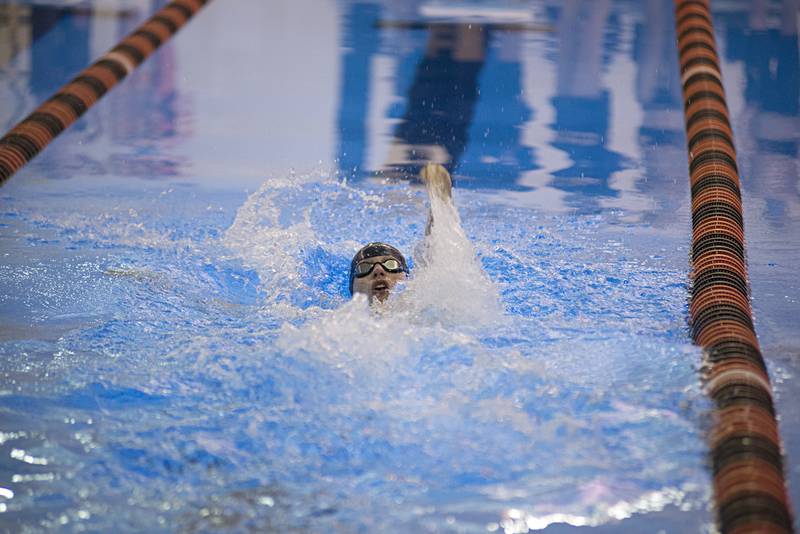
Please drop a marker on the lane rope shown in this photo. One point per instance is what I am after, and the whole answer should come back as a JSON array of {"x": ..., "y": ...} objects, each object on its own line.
[
  {"x": 747, "y": 461},
  {"x": 25, "y": 140}
]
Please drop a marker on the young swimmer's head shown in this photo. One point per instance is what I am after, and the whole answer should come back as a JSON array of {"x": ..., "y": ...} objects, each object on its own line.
[{"x": 376, "y": 269}]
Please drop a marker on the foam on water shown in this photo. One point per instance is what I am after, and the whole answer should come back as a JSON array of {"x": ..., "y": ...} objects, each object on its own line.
[
  {"x": 451, "y": 284},
  {"x": 446, "y": 296},
  {"x": 530, "y": 371}
]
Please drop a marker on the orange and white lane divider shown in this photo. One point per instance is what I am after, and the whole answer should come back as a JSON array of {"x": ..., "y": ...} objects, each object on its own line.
[
  {"x": 25, "y": 140},
  {"x": 747, "y": 462}
]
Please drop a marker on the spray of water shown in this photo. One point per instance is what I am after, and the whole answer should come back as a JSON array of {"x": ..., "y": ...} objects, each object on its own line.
[
  {"x": 447, "y": 297},
  {"x": 264, "y": 240},
  {"x": 450, "y": 284}
]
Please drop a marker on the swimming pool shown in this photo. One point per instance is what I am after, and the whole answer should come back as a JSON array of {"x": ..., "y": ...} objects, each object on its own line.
[{"x": 179, "y": 348}]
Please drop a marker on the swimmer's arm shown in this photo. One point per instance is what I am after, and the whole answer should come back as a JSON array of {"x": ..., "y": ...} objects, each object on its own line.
[{"x": 438, "y": 185}]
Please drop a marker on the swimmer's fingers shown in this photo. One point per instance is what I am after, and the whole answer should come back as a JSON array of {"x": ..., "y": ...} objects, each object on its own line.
[{"x": 437, "y": 180}]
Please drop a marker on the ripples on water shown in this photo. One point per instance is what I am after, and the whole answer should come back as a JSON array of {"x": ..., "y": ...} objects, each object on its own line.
[{"x": 176, "y": 371}]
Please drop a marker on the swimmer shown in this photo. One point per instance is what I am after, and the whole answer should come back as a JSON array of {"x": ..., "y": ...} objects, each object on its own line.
[{"x": 377, "y": 268}]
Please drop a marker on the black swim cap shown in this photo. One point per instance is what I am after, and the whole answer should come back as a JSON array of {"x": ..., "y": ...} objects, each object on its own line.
[{"x": 370, "y": 250}]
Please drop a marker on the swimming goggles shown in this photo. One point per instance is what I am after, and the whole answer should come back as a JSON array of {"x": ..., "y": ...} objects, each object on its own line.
[{"x": 390, "y": 266}]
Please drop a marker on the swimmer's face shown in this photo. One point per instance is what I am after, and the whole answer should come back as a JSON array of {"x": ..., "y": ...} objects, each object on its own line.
[{"x": 379, "y": 283}]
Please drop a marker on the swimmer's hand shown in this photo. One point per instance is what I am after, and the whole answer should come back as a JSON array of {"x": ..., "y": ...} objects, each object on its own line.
[{"x": 437, "y": 181}]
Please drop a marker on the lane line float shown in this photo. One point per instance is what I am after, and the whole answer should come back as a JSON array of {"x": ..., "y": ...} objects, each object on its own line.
[
  {"x": 747, "y": 461},
  {"x": 25, "y": 140}
]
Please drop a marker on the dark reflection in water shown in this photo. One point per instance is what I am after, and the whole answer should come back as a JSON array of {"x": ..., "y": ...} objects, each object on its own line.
[
  {"x": 58, "y": 33},
  {"x": 59, "y": 50},
  {"x": 442, "y": 97},
  {"x": 450, "y": 113}
]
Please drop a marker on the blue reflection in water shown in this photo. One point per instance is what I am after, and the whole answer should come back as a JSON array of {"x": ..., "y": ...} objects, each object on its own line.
[
  {"x": 442, "y": 97},
  {"x": 582, "y": 105},
  {"x": 582, "y": 125},
  {"x": 772, "y": 66},
  {"x": 772, "y": 86},
  {"x": 360, "y": 42},
  {"x": 496, "y": 155},
  {"x": 57, "y": 32}
]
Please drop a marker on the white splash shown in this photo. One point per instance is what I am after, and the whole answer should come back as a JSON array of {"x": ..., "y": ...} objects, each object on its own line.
[
  {"x": 450, "y": 286},
  {"x": 261, "y": 237},
  {"x": 447, "y": 298}
]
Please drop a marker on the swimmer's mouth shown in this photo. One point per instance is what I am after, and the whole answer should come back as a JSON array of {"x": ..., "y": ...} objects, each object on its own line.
[{"x": 380, "y": 286}]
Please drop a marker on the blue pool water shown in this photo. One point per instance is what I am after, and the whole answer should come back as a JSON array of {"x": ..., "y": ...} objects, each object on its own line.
[{"x": 179, "y": 352}]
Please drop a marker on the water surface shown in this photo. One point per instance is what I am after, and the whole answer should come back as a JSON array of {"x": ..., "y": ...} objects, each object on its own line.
[{"x": 180, "y": 352}]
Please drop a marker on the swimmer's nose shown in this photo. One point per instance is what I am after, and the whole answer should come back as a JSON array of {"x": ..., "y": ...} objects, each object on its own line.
[{"x": 378, "y": 271}]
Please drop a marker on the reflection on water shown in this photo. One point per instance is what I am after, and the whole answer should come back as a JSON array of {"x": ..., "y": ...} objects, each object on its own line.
[
  {"x": 660, "y": 133},
  {"x": 582, "y": 104},
  {"x": 562, "y": 106},
  {"x": 451, "y": 114},
  {"x": 442, "y": 97},
  {"x": 602, "y": 130},
  {"x": 145, "y": 135},
  {"x": 763, "y": 39},
  {"x": 15, "y": 37},
  {"x": 471, "y": 93},
  {"x": 60, "y": 33},
  {"x": 47, "y": 45},
  {"x": 360, "y": 40}
]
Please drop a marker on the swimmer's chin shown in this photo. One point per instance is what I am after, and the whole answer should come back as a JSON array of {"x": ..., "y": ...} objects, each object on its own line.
[{"x": 381, "y": 295}]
